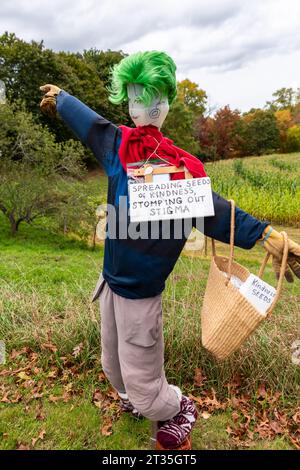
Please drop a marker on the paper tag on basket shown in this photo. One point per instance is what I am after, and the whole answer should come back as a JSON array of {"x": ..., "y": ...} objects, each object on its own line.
[
  {"x": 234, "y": 280},
  {"x": 258, "y": 292}
]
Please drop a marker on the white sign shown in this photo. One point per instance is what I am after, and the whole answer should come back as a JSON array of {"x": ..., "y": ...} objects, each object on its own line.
[
  {"x": 175, "y": 199},
  {"x": 258, "y": 293}
]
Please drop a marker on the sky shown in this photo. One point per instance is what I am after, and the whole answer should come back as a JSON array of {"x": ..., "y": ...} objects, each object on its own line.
[{"x": 238, "y": 51}]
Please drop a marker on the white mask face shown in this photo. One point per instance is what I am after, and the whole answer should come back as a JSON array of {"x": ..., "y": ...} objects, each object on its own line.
[{"x": 142, "y": 115}]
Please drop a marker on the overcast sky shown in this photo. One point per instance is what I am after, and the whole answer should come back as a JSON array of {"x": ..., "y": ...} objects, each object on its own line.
[{"x": 239, "y": 51}]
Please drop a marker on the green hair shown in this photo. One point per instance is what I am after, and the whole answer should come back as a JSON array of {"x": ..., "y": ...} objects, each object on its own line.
[{"x": 153, "y": 69}]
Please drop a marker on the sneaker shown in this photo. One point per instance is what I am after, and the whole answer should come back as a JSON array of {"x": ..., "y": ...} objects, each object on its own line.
[
  {"x": 128, "y": 407},
  {"x": 172, "y": 433}
]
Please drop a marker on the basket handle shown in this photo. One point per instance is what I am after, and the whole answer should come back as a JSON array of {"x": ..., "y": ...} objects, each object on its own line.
[
  {"x": 232, "y": 229},
  {"x": 281, "y": 274}
]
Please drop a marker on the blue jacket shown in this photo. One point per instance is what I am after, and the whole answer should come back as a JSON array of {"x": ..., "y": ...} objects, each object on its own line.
[{"x": 139, "y": 268}]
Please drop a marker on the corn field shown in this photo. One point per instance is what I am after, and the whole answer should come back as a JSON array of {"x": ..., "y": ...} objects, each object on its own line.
[{"x": 267, "y": 187}]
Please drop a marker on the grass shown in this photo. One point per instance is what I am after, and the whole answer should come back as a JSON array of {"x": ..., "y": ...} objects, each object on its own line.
[
  {"x": 80, "y": 428},
  {"x": 268, "y": 187},
  {"x": 46, "y": 281}
]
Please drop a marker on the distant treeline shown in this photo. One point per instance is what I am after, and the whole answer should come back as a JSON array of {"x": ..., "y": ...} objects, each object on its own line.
[{"x": 222, "y": 134}]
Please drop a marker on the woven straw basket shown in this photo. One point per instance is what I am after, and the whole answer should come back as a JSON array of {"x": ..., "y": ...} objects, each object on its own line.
[{"x": 227, "y": 317}]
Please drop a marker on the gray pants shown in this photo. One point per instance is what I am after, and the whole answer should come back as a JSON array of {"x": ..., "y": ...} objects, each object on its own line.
[{"x": 133, "y": 352}]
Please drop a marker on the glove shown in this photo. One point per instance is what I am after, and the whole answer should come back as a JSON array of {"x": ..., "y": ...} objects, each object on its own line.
[
  {"x": 273, "y": 243},
  {"x": 48, "y": 103}
]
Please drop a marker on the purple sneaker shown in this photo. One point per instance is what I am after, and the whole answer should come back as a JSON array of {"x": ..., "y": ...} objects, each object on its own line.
[{"x": 173, "y": 433}]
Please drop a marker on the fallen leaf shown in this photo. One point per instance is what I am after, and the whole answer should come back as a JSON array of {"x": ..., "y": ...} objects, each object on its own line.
[
  {"x": 261, "y": 392},
  {"x": 106, "y": 430},
  {"x": 205, "y": 415},
  {"x": 52, "y": 374},
  {"x": 16, "y": 353},
  {"x": 235, "y": 416},
  {"x": 101, "y": 377},
  {"x": 296, "y": 417},
  {"x": 98, "y": 398},
  {"x": 17, "y": 398},
  {"x": 40, "y": 437},
  {"x": 40, "y": 417},
  {"x": 21, "y": 446},
  {"x": 199, "y": 377},
  {"x": 37, "y": 395},
  {"x": 5, "y": 398},
  {"x": 295, "y": 441},
  {"x": 275, "y": 426},
  {"x": 54, "y": 398},
  {"x": 77, "y": 350},
  {"x": 113, "y": 394},
  {"x": 49, "y": 346},
  {"x": 23, "y": 376}
]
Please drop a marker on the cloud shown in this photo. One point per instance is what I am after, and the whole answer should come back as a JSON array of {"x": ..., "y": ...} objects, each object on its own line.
[
  {"x": 82, "y": 24},
  {"x": 208, "y": 38}
]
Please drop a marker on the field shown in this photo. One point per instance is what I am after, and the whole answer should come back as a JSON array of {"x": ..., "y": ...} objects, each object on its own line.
[
  {"x": 268, "y": 187},
  {"x": 54, "y": 394}
]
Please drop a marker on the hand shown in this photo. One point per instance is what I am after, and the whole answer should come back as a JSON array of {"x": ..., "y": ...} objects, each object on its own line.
[
  {"x": 48, "y": 103},
  {"x": 274, "y": 245}
]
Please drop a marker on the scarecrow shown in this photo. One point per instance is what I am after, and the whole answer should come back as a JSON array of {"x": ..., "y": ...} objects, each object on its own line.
[{"x": 135, "y": 270}]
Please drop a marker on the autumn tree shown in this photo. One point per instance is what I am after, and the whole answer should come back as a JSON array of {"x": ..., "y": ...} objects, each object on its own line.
[
  {"x": 192, "y": 96},
  {"x": 284, "y": 121},
  {"x": 293, "y": 139},
  {"x": 218, "y": 135}
]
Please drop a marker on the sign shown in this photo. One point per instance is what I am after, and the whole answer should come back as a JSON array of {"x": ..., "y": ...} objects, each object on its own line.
[
  {"x": 258, "y": 292},
  {"x": 174, "y": 199}
]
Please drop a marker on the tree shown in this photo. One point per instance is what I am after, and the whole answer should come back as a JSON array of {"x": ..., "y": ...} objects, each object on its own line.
[
  {"x": 218, "y": 135},
  {"x": 293, "y": 139},
  {"x": 103, "y": 63},
  {"x": 284, "y": 121},
  {"x": 179, "y": 126},
  {"x": 25, "y": 66},
  {"x": 32, "y": 166},
  {"x": 284, "y": 98},
  {"x": 296, "y": 114},
  {"x": 259, "y": 133},
  {"x": 192, "y": 96}
]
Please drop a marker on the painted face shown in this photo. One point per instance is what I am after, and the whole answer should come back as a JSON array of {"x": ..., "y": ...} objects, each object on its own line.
[{"x": 142, "y": 115}]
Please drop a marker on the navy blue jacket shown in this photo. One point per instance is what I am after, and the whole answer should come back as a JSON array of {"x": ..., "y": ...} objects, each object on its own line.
[{"x": 139, "y": 268}]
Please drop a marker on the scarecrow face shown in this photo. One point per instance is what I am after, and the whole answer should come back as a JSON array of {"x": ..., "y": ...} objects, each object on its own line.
[{"x": 142, "y": 115}]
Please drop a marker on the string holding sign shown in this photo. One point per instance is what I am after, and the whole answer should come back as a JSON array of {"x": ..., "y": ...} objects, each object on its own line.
[{"x": 148, "y": 171}]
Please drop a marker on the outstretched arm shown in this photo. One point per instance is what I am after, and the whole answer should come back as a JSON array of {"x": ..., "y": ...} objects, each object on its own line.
[
  {"x": 99, "y": 134},
  {"x": 250, "y": 231}
]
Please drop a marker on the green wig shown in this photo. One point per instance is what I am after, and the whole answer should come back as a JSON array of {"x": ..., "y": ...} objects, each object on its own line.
[{"x": 153, "y": 69}]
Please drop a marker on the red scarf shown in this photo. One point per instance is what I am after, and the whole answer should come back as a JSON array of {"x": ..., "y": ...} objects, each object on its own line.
[{"x": 140, "y": 142}]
